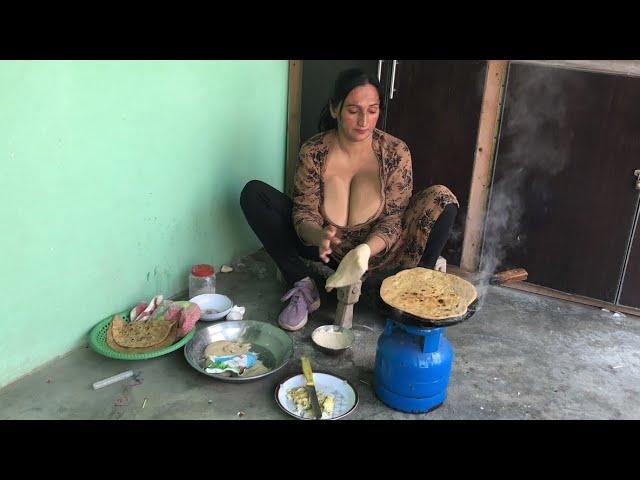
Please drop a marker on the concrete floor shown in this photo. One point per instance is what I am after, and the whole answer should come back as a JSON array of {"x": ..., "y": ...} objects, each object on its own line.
[{"x": 521, "y": 356}]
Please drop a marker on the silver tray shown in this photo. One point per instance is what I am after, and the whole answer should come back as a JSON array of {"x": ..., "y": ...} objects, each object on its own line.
[{"x": 273, "y": 346}]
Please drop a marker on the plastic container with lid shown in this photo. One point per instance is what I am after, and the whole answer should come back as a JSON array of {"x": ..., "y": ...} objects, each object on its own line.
[{"x": 202, "y": 280}]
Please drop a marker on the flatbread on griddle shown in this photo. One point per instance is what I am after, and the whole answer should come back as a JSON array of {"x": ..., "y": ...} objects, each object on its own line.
[
  {"x": 139, "y": 334},
  {"x": 169, "y": 340},
  {"x": 428, "y": 294}
]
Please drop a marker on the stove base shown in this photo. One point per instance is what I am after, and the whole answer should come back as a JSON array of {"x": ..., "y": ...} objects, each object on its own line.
[
  {"x": 412, "y": 367},
  {"x": 407, "y": 404}
]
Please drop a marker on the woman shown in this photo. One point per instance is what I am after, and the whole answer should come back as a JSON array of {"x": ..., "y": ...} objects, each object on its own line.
[{"x": 352, "y": 204}]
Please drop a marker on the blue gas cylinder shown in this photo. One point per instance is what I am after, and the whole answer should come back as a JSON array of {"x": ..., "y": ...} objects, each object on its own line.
[{"x": 412, "y": 368}]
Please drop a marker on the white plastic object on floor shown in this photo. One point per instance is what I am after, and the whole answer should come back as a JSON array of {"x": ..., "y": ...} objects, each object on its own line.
[
  {"x": 213, "y": 306},
  {"x": 236, "y": 313},
  {"x": 111, "y": 380}
]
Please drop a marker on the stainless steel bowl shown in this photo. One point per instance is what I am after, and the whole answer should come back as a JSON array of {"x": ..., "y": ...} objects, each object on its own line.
[
  {"x": 273, "y": 346},
  {"x": 346, "y": 333}
]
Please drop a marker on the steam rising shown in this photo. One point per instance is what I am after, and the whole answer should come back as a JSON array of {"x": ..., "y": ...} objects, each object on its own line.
[{"x": 533, "y": 142}]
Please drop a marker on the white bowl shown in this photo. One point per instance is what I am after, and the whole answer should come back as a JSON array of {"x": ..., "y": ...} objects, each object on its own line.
[{"x": 213, "y": 305}]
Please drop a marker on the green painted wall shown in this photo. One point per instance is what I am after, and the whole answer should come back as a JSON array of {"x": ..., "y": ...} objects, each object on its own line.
[{"x": 116, "y": 177}]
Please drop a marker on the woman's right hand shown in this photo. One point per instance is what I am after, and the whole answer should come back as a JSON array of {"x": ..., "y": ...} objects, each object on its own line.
[{"x": 327, "y": 240}]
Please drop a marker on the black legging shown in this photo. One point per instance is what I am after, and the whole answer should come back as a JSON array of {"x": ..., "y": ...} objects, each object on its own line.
[
  {"x": 268, "y": 212},
  {"x": 439, "y": 236}
]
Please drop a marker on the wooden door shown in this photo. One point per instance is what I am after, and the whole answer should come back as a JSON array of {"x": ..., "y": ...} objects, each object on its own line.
[
  {"x": 563, "y": 200},
  {"x": 435, "y": 109}
]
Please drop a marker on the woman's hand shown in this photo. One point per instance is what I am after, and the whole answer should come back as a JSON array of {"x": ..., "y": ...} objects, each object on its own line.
[
  {"x": 323, "y": 238},
  {"x": 327, "y": 239}
]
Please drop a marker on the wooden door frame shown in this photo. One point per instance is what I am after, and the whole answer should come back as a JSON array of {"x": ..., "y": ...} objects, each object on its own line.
[
  {"x": 294, "y": 110},
  {"x": 629, "y": 68},
  {"x": 492, "y": 99}
]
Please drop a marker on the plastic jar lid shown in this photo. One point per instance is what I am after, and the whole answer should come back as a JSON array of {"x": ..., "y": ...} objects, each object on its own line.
[{"x": 202, "y": 270}]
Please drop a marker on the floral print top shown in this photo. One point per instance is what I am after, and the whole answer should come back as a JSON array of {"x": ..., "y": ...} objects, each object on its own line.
[{"x": 397, "y": 184}]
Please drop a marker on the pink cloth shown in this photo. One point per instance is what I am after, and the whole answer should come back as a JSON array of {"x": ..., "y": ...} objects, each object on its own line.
[{"x": 188, "y": 318}]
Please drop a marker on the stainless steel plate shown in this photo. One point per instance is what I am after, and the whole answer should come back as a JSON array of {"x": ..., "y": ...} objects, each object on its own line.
[{"x": 273, "y": 346}]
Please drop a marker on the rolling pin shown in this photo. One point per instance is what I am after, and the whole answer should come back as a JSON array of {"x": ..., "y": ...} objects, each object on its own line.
[{"x": 513, "y": 275}]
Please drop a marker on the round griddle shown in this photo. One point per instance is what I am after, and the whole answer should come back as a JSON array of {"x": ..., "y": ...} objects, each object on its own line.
[
  {"x": 378, "y": 276},
  {"x": 414, "y": 321}
]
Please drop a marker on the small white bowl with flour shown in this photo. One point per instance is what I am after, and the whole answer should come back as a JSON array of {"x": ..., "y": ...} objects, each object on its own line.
[
  {"x": 332, "y": 339},
  {"x": 213, "y": 306}
]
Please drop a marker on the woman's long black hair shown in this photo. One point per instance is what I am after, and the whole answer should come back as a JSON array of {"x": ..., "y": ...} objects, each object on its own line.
[{"x": 346, "y": 81}]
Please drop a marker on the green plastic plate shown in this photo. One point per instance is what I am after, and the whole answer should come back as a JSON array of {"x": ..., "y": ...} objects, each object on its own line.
[{"x": 98, "y": 342}]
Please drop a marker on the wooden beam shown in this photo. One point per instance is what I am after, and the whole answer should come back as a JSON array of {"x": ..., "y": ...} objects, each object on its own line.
[
  {"x": 550, "y": 292},
  {"x": 617, "y": 67},
  {"x": 294, "y": 105},
  {"x": 482, "y": 168}
]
